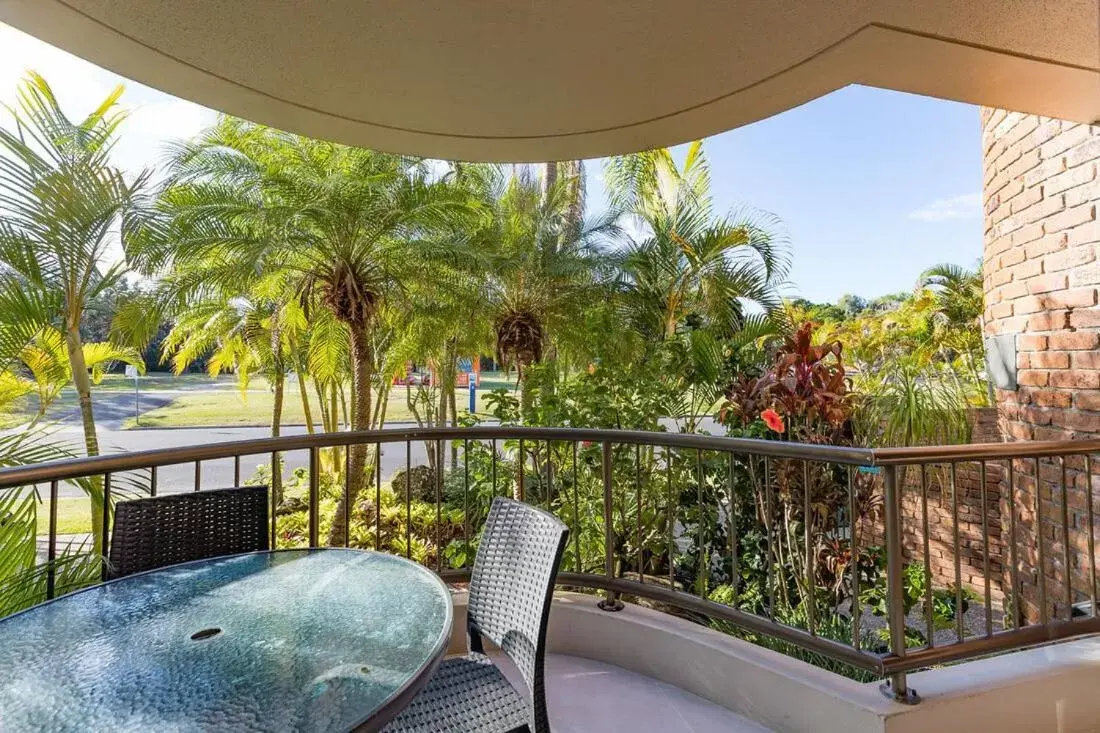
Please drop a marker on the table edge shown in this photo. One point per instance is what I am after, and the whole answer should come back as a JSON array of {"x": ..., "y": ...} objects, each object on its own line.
[{"x": 393, "y": 704}]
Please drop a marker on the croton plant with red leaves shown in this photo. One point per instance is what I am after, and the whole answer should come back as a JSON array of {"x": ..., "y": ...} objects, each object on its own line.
[{"x": 806, "y": 391}]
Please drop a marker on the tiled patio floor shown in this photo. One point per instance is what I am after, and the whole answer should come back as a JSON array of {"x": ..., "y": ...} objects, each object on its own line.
[{"x": 585, "y": 696}]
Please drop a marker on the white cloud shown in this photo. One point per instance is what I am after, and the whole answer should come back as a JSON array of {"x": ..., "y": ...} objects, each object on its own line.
[{"x": 966, "y": 206}]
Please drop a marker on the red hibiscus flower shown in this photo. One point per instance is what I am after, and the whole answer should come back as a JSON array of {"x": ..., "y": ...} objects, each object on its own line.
[{"x": 773, "y": 420}]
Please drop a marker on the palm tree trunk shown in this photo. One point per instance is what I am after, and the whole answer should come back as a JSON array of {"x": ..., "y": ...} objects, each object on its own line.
[
  {"x": 310, "y": 428},
  {"x": 276, "y": 425},
  {"x": 383, "y": 403},
  {"x": 362, "y": 365},
  {"x": 526, "y": 405},
  {"x": 454, "y": 423},
  {"x": 550, "y": 179},
  {"x": 83, "y": 385},
  {"x": 338, "y": 393},
  {"x": 327, "y": 415}
]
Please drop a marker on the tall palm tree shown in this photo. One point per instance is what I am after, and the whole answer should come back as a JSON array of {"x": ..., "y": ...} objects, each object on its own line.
[
  {"x": 687, "y": 264},
  {"x": 957, "y": 321},
  {"x": 959, "y": 292},
  {"x": 348, "y": 226},
  {"x": 61, "y": 200},
  {"x": 543, "y": 270},
  {"x": 46, "y": 360},
  {"x": 245, "y": 335}
]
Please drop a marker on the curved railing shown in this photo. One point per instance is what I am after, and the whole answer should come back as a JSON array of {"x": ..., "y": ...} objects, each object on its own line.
[{"x": 742, "y": 485}]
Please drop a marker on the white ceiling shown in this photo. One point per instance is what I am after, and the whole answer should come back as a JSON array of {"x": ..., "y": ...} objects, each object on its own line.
[{"x": 559, "y": 79}]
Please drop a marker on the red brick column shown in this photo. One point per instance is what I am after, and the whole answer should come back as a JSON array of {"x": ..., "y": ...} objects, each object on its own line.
[{"x": 1042, "y": 274}]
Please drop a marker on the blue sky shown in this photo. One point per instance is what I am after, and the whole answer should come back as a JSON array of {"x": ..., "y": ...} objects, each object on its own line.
[{"x": 873, "y": 186}]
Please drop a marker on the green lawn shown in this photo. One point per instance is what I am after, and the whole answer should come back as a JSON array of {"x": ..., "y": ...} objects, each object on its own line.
[
  {"x": 253, "y": 408},
  {"x": 221, "y": 403},
  {"x": 25, "y": 408},
  {"x": 74, "y": 516}
]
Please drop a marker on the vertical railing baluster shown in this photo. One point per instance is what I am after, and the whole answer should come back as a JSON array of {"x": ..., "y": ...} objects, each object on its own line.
[
  {"x": 408, "y": 498},
  {"x": 1067, "y": 557},
  {"x": 439, "y": 448},
  {"x": 699, "y": 554},
  {"x": 1014, "y": 571},
  {"x": 315, "y": 496},
  {"x": 347, "y": 493},
  {"x": 521, "y": 482},
  {"x": 985, "y": 553},
  {"x": 51, "y": 550},
  {"x": 638, "y": 508},
  {"x": 236, "y": 470},
  {"x": 895, "y": 608},
  {"x": 735, "y": 574},
  {"x": 274, "y": 503},
  {"x": 611, "y": 601},
  {"x": 1044, "y": 617},
  {"x": 853, "y": 545},
  {"x": 1092, "y": 532},
  {"x": 769, "y": 500},
  {"x": 549, "y": 475},
  {"x": 198, "y": 475},
  {"x": 105, "y": 526},
  {"x": 377, "y": 495},
  {"x": 807, "y": 527},
  {"x": 671, "y": 520},
  {"x": 930, "y": 621},
  {"x": 576, "y": 513},
  {"x": 466, "y": 499},
  {"x": 494, "y": 466},
  {"x": 959, "y": 630},
  {"x": 153, "y": 481}
]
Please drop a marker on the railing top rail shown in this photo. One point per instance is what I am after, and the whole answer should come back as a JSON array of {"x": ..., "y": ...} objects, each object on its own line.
[
  {"x": 983, "y": 451},
  {"x": 78, "y": 467}
]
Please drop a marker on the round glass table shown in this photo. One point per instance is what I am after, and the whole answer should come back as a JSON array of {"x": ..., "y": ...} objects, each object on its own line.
[{"x": 303, "y": 640}]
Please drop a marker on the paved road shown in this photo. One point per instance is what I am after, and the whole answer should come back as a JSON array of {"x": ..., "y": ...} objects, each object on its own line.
[
  {"x": 219, "y": 473},
  {"x": 113, "y": 408}
]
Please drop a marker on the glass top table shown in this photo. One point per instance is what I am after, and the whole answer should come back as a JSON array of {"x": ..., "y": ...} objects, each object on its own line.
[{"x": 302, "y": 640}]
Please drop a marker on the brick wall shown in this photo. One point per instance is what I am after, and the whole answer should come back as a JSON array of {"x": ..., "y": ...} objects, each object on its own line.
[
  {"x": 973, "y": 507},
  {"x": 1042, "y": 273}
]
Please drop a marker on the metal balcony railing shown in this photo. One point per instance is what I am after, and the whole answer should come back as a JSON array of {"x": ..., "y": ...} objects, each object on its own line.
[{"x": 791, "y": 531}]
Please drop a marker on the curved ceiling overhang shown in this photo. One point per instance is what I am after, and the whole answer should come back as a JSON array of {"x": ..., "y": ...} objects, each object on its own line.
[{"x": 553, "y": 80}]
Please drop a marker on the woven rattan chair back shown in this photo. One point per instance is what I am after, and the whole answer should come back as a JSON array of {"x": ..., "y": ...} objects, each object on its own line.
[
  {"x": 511, "y": 588},
  {"x": 167, "y": 530}
]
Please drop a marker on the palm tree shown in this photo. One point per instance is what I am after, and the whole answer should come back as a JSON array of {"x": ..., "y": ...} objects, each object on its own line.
[
  {"x": 348, "y": 226},
  {"x": 23, "y": 580},
  {"x": 61, "y": 200},
  {"x": 243, "y": 335},
  {"x": 543, "y": 270},
  {"x": 957, "y": 321},
  {"x": 689, "y": 266},
  {"x": 46, "y": 360}
]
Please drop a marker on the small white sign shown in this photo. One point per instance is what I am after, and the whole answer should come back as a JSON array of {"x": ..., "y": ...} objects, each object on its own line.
[{"x": 131, "y": 371}]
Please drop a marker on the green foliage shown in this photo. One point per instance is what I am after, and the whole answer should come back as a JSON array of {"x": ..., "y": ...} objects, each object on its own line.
[
  {"x": 915, "y": 595},
  {"x": 22, "y": 579}
]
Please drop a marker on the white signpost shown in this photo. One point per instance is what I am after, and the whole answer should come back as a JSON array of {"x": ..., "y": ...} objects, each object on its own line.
[{"x": 132, "y": 372}]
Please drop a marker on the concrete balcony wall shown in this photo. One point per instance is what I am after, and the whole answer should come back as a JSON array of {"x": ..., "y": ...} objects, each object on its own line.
[
  {"x": 1048, "y": 689},
  {"x": 1042, "y": 275}
]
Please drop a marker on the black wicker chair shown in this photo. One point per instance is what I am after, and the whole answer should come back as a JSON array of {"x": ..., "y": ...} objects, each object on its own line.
[
  {"x": 166, "y": 530},
  {"x": 510, "y": 593}
]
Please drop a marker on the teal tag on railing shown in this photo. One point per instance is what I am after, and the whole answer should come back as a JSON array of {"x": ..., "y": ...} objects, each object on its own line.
[{"x": 870, "y": 469}]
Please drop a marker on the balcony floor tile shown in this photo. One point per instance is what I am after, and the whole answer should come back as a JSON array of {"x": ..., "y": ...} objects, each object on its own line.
[{"x": 585, "y": 696}]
